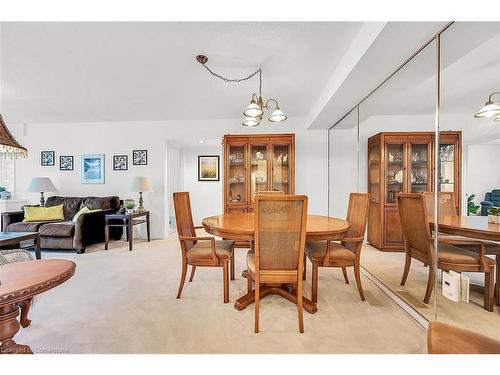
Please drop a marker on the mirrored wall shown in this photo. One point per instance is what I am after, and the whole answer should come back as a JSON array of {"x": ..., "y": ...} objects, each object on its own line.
[{"x": 393, "y": 146}]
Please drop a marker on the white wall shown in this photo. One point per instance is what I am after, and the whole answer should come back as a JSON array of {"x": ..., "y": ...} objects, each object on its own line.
[{"x": 483, "y": 172}]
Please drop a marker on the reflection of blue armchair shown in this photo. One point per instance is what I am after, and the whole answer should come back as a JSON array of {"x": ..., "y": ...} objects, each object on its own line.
[{"x": 490, "y": 200}]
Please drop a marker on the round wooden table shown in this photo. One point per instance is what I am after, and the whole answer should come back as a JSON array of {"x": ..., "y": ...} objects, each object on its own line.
[
  {"x": 22, "y": 281},
  {"x": 240, "y": 227}
]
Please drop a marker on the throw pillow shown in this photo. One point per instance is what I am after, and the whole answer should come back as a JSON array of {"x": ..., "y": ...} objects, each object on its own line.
[
  {"x": 83, "y": 210},
  {"x": 44, "y": 213}
]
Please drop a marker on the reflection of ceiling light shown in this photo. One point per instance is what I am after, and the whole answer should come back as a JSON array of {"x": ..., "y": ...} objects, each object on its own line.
[
  {"x": 490, "y": 109},
  {"x": 202, "y": 141},
  {"x": 255, "y": 109}
]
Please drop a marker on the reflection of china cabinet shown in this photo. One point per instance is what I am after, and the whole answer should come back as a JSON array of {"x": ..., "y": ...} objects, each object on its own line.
[
  {"x": 257, "y": 162},
  {"x": 404, "y": 162}
]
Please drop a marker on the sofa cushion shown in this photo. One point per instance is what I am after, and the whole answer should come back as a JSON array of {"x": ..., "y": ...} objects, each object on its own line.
[
  {"x": 25, "y": 226},
  {"x": 60, "y": 229},
  {"x": 103, "y": 203},
  {"x": 71, "y": 205}
]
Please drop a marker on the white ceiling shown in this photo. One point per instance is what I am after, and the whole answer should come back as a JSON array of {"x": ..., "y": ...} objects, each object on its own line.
[{"x": 91, "y": 72}]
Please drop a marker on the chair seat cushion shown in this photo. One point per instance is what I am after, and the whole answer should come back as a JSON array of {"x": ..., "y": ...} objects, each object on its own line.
[
  {"x": 316, "y": 250},
  {"x": 26, "y": 226},
  {"x": 456, "y": 255},
  {"x": 202, "y": 250},
  {"x": 60, "y": 229}
]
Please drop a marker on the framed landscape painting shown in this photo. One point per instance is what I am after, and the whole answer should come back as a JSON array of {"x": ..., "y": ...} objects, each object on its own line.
[
  {"x": 208, "y": 168},
  {"x": 93, "y": 169}
]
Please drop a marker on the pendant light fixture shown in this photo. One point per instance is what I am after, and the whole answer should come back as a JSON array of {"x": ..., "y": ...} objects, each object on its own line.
[
  {"x": 490, "y": 110},
  {"x": 255, "y": 110},
  {"x": 9, "y": 147}
]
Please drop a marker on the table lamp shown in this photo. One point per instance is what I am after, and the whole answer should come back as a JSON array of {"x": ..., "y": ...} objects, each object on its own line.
[
  {"x": 41, "y": 185},
  {"x": 140, "y": 185}
]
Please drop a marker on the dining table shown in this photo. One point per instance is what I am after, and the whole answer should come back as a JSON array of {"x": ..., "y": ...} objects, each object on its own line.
[
  {"x": 239, "y": 226},
  {"x": 476, "y": 227}
]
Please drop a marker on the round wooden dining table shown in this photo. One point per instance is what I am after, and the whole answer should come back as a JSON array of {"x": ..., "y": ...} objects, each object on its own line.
[
  {"x": 239, "y": 226},
  {"x": 22, "y": 281}
]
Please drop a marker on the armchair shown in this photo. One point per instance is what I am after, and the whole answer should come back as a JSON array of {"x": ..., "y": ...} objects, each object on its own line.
[{"x": 491, "y": 199}]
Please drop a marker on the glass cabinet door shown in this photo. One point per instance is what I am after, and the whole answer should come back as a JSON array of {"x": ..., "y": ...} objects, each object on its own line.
[
  {"x": 236, "y": 179},
  {"x": 258, "y": 171},
  {"x": 446, "y": 167},
  {"x": 394, "y": 171},
  {"x": 374, "y": 172},
  {"x": 281, "y": 170},
  {"x": 419, "y": 168}
]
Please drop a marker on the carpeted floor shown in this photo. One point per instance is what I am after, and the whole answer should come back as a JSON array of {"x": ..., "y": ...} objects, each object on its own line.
[
  {"x": 124, "y": 302},
  {"x": 388, "y": 267}
]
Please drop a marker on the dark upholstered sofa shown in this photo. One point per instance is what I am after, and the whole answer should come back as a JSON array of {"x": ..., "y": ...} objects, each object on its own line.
[
  {"x": 491, "y": 199},
  {"x": 66, "y": 234}
]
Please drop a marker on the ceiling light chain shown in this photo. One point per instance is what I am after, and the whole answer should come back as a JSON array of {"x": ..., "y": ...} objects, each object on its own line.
[{"x": 255, "y": 110}]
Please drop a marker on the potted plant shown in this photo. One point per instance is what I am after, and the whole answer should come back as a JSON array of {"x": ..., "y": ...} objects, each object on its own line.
[
  {"x": 494, "y": 215},
  {"x": 129, "y": 206},
  {"x": 472, "y": 208}
]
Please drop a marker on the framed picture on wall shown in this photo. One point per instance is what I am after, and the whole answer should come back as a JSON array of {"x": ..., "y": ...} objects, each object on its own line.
[
  {"x": 93, "y": 169},
  {"x": 208, "y": 168},
  {"x": 66, "y": 163},
  {"x": 140, "y": 157},
  {"x": 48, "y": 158},
  {"x": 120, "y": 162}
]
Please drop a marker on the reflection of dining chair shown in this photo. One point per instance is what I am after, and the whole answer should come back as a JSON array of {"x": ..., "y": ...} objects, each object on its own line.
[
  {"x": 200, "y": 251},
  {"x": 280, "y": 234},
  {"x": 419, "y": 244},
  {"x": 444, "y": 338},
  {"x": 447, "y": 207},
  {"x": 347, "y": 253},
  {"x": 270, "y": 192}
]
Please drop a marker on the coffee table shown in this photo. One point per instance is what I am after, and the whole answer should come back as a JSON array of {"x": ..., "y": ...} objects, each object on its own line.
[
  {"x": 22, "y": 281},
  {"x": 9, "y": 238}
]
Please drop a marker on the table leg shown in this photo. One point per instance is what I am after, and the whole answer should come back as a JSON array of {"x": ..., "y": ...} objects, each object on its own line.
[
  {"x": 130, "y": 230},
  {"x": 147, "y": 227},
  {"x": 9, "y": 326},
  {"x": 497, "y": 282},
  {"x": 244, "y": 301},
  {"x": 38, "y": 252},
  {"x": 126, "y": 228},
  {"x": 106, "y": 234}
]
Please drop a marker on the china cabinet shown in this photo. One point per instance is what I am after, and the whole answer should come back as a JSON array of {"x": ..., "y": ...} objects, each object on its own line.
[
  {"x": 256, "y": 162},
  {"x": 404, "y": 162}
]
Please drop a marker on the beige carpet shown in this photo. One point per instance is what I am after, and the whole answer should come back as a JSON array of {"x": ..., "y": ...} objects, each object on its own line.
[
  {"x": 388, "y": 267},
  {"x": 124, "y": 302}
]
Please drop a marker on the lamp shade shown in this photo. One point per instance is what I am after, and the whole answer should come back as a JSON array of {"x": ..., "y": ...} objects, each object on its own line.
[
  {"x": 140, "y": 185},
  {"x": 253, "y": 110},
  {"x": 277, "y": 115},
  {"x": 250, "y": 122},
  {"x": 41, "y": 185},
  {"x": 489, "y": 110},
  {"x": 9, "y": 148}
]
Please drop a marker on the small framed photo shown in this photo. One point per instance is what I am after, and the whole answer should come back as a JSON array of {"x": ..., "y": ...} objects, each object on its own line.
[
  {"x": 48, "y": 158},
  {"x": 208, "y": 168},
  {"x": 140, "y": 157},
  {"x": 93, "y": 169},
  {"x": 66, "y": 163},
  {"x": 120, "y": 162}
]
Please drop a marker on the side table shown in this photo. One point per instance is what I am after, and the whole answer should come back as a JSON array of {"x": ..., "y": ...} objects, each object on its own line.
[{"x": 126, "y": 221}]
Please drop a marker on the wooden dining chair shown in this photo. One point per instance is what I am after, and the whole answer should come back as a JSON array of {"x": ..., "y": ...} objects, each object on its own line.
[
  {"x": 345, "y": 254},
  {"x": 280, "y": 234},
  {"x": 444, "y": 338},
  {"x": 419, "y": 244},
  {"x": 271, "y": 192},
  {"x": 200, "y": 251}
]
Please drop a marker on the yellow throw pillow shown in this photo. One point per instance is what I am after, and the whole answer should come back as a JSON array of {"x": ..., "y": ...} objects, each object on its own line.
[{"x": 44, "y": 213}]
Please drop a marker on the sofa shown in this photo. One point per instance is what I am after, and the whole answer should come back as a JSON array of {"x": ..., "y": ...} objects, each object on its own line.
[
  {"x": 66, "y": 234},
  {"x": 491, "y": 199}
]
